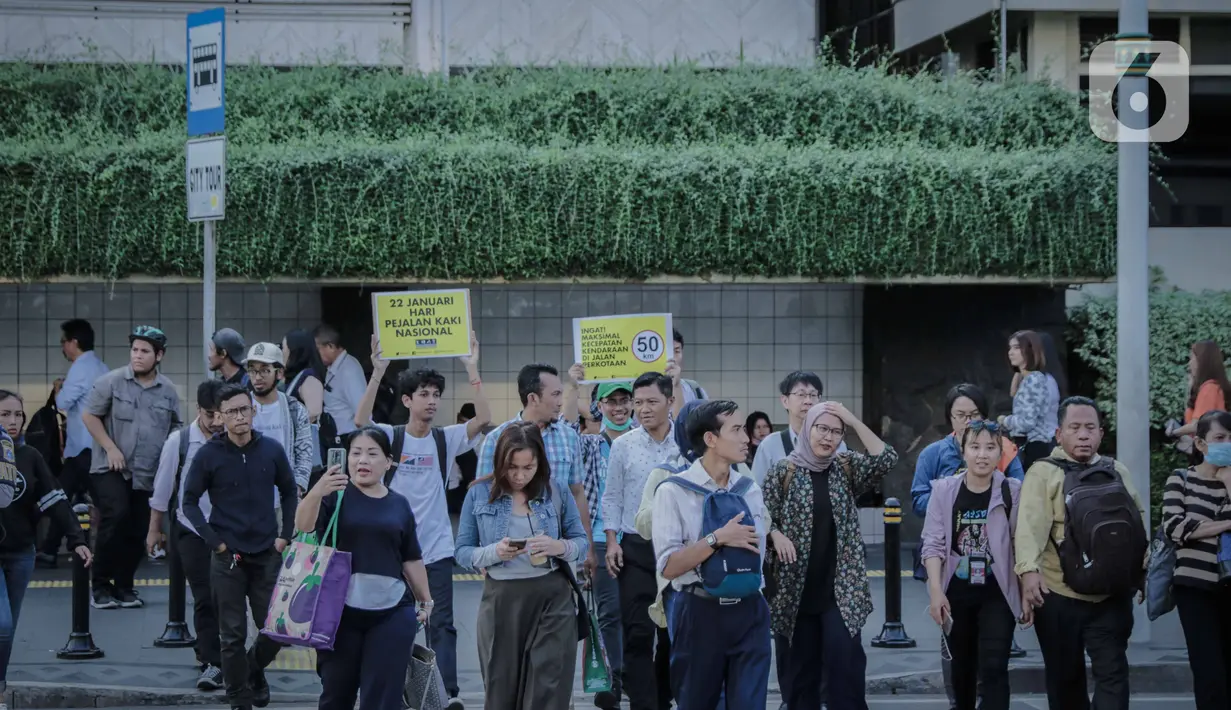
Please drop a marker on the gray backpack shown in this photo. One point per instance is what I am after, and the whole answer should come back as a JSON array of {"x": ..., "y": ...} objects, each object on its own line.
[{"x": 1160, "y": 573}]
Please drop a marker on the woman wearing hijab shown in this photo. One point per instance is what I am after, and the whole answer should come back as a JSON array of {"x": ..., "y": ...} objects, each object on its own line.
[{"x": 822, "y": 598}]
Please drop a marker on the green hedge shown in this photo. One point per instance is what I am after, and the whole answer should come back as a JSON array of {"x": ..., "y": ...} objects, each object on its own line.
[
  {"x": 848, "y": 108},
  {"x": 475, "y": 209},
  {"x": 1177, "y": 320}
]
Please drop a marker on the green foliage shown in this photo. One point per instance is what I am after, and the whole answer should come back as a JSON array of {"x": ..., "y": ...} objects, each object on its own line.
[
  {"x": 825, "y": 172},
  {"x": 846, "y": 107},
  {"x": 1177, "y": 320}
]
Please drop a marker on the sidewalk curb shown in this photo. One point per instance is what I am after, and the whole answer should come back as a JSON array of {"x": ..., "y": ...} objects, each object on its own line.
[{"x": 1150, "y": 678}]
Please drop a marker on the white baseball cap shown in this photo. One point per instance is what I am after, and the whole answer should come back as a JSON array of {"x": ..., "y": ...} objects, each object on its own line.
[{"x": 267, "y": 353}]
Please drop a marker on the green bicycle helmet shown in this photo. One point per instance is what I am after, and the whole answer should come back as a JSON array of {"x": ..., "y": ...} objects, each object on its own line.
[{"x": 149, "y": 334}]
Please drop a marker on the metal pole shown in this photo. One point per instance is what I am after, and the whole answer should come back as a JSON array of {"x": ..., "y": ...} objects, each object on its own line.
[
  {"x": 444, "y": 44},
  {"x": 80, "y": 644},
  {"x": 893, "y": 633},
  {"x": 176, "y": 633},
  {"x": 1132, "y": 287},
  {"x": 1004, "y": 39},
  {"x": 210, "y": 285}
]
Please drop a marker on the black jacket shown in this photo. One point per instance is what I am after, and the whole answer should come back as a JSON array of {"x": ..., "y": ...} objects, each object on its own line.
[
  {"x": 37, "y": 493},
  {"x": 240, "y": 482}
]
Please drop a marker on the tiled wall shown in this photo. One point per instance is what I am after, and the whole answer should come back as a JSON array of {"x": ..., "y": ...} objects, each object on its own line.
[{"x": 30, "y": 317}]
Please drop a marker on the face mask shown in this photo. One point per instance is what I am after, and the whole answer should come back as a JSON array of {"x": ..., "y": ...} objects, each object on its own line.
[
  {"x": 1218, "y": 454},
  {"x": 618, "y": 427}
]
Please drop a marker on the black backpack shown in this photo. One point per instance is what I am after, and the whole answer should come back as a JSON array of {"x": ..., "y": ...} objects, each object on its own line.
[
  {"x": 45, "y": 433},
  {"x": 1105, "y": 540},
  {"x": 442, "y": 453}
]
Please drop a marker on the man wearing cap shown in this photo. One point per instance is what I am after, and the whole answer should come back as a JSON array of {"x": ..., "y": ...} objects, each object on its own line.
[
  {"x": 226, "y": 352},
  {"x": 129, "y": 412},
  {"x": 278, "y": 416},
  {"x": 615, "y": 404}
]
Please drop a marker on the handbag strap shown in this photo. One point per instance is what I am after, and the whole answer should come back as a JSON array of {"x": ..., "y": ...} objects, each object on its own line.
[{"x": 330, "y": 539}]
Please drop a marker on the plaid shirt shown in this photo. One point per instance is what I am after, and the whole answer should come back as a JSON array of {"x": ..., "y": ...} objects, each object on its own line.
[
  {"x": 563, "y": 452},
  {"x": 595, "y": 451}
]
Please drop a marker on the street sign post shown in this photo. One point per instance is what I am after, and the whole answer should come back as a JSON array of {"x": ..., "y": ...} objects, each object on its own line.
[
  {"x": 206, "y": 72},
  {"x": 206, "y": 174}
]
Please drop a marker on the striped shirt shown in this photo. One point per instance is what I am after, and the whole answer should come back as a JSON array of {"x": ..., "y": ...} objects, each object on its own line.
[{"x": 1187, "y": 504}]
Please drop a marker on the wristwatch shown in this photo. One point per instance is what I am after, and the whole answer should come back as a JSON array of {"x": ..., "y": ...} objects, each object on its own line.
[{"x": 712, "y": 540}]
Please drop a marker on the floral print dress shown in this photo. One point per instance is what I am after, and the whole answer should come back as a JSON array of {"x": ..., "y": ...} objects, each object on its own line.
[{"x": 850, "y": 475}]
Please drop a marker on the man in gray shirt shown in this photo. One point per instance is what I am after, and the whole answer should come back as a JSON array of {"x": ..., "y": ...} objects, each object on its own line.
[{"x": 129, "y": 413}]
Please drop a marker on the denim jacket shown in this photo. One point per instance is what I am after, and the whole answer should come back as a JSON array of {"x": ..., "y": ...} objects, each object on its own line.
[{"x": 483, "y": 524}]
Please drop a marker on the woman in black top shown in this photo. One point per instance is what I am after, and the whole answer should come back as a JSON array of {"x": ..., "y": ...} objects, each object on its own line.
[
  {"x": 372, "y": 648},
  {"x": 36, "y": 493}
]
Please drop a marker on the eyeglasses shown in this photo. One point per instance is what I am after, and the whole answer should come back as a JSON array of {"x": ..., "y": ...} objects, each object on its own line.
[
  {"x": 807, "y": 395},
  {"x": 237, "y": 413},
  {"x": 987, "y": 425},
  {"x": 827, "y": 432},
  {"x": 262, "y": 371},
  {"x": 965, "y": 416}
]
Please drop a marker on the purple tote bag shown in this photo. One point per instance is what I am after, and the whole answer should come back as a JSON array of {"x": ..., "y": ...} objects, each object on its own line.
[{"x": 311, "y": 590}]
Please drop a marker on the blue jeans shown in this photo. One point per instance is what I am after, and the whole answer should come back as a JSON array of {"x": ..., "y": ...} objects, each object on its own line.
[
  {"x": 719, "y": 652},
  {"x": 16, "y": 569},
  {"x": 607, "y": 599}
]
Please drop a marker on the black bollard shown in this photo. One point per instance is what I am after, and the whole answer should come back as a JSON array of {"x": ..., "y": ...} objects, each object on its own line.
[
  {"x": 80, "y": 644},
  {"x": 893, "y": 633},
  {"x": 176, "y": 634}
]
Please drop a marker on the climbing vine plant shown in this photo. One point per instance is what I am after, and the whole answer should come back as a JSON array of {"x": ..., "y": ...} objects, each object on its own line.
[{"x": 827, "y": 172}]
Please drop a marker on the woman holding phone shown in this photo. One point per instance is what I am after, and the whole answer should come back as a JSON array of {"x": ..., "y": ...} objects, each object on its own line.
[
  {"x": 968, "y": 552},
  {"x": 523, "y": 530},
  {"x": 378, "y": 627}
]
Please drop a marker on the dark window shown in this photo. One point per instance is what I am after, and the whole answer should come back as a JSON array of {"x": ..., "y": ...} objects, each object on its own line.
[
  {"x": 1092, "y": 30},
  {"x": 1211, "y": 40}
]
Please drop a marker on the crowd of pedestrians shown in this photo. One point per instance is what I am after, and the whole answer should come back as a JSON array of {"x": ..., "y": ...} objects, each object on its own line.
[{"x": 707, "y": 542}]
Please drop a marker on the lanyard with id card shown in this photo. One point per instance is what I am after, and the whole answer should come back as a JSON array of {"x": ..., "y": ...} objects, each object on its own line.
[{"x": 977, "y": 560}]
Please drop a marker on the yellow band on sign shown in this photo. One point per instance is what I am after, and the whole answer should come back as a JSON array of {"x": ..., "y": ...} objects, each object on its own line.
[
  {"x": 618, "y": 348},
  {"x": 416, "y": 324}
]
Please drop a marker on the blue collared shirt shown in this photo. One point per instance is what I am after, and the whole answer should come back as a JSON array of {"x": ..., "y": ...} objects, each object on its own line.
[{"x": 77, "y": 384}]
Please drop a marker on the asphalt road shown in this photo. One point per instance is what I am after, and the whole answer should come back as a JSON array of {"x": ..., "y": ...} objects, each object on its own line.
[{"x": 1024, "y": 702}]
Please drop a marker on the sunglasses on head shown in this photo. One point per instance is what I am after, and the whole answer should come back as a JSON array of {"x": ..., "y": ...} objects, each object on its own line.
[{"x": 987, "y": 425}]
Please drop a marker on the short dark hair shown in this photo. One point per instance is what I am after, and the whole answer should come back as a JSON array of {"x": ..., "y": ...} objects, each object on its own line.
[
  {"x": 705, "y": 419},
  {"x": 969, "y": 391},
  {"x": 655, "y": 379},
  {"x": 80, "y": 330},
  {"x": 229, "y": 391},
  {"x": 809, "y": 378},
  {"x": 676, "y": 337},
  {"x": 207, "y": 395},
  {"x": 1207, "y": 421},
  {"x": 326, "y": 334},
  {"x": 530, "y": 380},
  {"x": 467, "y": 411},
  {"x": 374, "y": 433},
  {"x": 1071, "y": 402},
  {"x": 409, "y": 381}
]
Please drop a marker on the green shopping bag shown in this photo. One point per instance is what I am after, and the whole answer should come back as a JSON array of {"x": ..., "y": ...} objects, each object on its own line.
[{"x": 596, "y": 678}]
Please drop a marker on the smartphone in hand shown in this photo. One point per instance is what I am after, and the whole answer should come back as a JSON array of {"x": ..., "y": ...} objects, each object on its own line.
[
  {"x": 947, "y": 627},
  {"x": 336, "y": 457},
  {"x": 519, "y": 544}
]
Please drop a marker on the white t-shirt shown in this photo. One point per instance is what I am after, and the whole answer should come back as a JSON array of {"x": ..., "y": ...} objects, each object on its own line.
[
  {"x": 418, "y": 479},
  {"x": 267, "y": 419}
]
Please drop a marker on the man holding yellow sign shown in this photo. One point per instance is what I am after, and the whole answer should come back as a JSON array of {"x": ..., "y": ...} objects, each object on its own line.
[
  {"x": 621, "y": 348},
  {"x": 416, "y": 324}
]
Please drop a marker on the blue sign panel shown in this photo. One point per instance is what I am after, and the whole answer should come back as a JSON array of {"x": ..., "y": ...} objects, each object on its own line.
[{"x": 206, "y": 71}]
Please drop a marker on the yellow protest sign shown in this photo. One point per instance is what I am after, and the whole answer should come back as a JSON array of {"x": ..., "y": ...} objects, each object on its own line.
[
  {"x": 415, "y": 324},
  {"x": 614, "y": 348}
]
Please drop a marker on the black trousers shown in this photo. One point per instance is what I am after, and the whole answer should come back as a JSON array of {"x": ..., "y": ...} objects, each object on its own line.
[
  {"x": 646, "y": 682},
  {"x": 237, "y": 586},
  {"x": 74, "y": 480},
  {"x": 1068, "y": 629},
  {"x": 369, "y": 658},
  {"x": 124, "y": 520},
  {"x": 823, "y": 648},
  {"x": 1205, "y": 616},
  {"x": 195, "y": 555},
  {"x": 979, "y": 645}
]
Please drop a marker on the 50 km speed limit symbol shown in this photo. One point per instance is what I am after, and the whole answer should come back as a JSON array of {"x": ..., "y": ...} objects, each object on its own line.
[{"x": 647, "y": 346}]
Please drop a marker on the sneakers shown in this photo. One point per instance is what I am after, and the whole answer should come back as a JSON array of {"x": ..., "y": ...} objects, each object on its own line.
[
  {"x": 128, "y": 599},
  {"x": 260, "y": 690},
  {"x": 158, "y": 554},
  {"x": 104, "y": 600},
  {"x": 455, "y": 704},
  {"x": 211, "y": 678}
]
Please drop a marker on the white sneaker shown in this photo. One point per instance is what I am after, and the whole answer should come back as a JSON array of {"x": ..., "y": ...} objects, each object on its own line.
[{"x": 455, "y": 704}]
